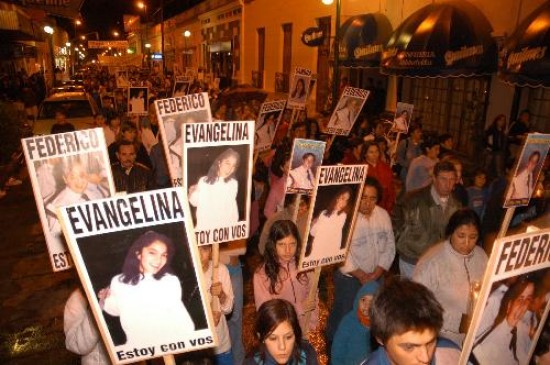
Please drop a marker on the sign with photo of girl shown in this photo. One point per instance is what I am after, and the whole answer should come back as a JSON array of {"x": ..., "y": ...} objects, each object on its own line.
[
  {"x": 402, "y": 119},
  {"x": 347, "y": 110},
  {"x": 267, "y": 123},
  {"x": 332, "y": 216},
  {"x": 527, "y": 171},
  {"x": 218, "y": 178},
  {"x": 138, "y": 100},
  {"x": 171, "y": 114},
  {"x": 64, "y": 169},
  {"x": 508, "y": 310},
  {"x": 305, "y": 159},
  {"x": 141, "y": 274},
  {"x": 299, "y": 89}
]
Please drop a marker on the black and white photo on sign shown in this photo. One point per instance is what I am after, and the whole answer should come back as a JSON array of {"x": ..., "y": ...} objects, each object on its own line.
[
  {"x": 122, "y": 80},
  {"x": 345, "y": 114},
  {"x": 334, "y": 208},
  {"x": 402, "y": 118},
  {"x": 307, "y": 156},
  {"x": 300, "y": 87},
  {"x": 266, "y": 125},
  {"x": 217, "y": 180},
  {"x": 509, "y": 309},
  {"x": 137, "y": 100},
  {"x": 180, "y": 88},
  {"x": 66, "y": 176},
  {"x": 528, "y": 169},
  {"x": 172, "y": 114},
  {"x": 141, "y": 277}
]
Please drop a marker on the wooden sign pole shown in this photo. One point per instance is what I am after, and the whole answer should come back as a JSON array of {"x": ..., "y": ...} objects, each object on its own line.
[
  {"x": 169, "y": 360},
  {"x": 394, "y": 152},
  {"x": 312, "y": 296},
  {"x": 215, "y": 266}
]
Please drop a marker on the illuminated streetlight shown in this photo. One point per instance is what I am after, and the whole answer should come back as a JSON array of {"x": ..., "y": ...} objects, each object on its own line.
[
  {"x": 147, "y": 45},
  {"x": 187, "y": 34},
  {"x": 48, "y": 29},
  {"x": 78, "y": 22},
  {"x": 68, "y": 44},
  {"x": 115, "y": 33},
  {"x": 141, "y": 5},
  {"x": 83, "y": 37}
]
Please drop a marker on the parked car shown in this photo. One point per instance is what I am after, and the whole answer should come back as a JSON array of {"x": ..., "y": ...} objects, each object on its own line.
[
  {"x": 67, "y": 88},
  {"x": 79, "y": 106}
]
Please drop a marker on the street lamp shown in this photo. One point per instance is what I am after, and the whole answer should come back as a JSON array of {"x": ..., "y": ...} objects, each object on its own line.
[
  {"x": 186, "y": 34},
  {"x": 116, "y": 34},
  {"x": 49, "y": 30},
  {"x": 336, "y": 72}
]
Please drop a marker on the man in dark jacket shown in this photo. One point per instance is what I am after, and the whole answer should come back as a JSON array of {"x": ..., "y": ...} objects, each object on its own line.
[{"x": 130, "y": 176}]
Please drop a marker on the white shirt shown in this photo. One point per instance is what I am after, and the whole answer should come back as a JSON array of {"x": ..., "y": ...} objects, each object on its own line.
[
  {"x": 372, "y": 243},
  {"x": 522, "y": 185},
  {"x": 301, "y": 178}
]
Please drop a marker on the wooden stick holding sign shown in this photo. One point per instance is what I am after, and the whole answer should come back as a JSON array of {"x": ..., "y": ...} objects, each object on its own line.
[
  {"x": 215, "y": 269},
  {"x": 311, "y": 298},
  {"x": 394, "y": 152},
  {"x": 169, "y": 360}
]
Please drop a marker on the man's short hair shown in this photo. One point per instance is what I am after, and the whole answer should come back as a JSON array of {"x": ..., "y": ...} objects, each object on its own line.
[
  {"x": 444, "y": 166},
  {"x": 374, "y": 183},
  {"x": 126, "y": 143},
  {"x": 402, "y": 305},
  {"x": 308, "y": 154}
]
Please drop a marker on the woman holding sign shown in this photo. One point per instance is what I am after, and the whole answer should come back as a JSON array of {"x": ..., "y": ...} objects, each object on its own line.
[
  {"x": 278, "y": 277},
  {"x": 327, "y": 228},
  {"x": 215, "y": 195},
  {"x": 146, "y": 295}
]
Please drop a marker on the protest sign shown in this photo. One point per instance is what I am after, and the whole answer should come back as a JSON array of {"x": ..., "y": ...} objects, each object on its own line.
[
  {"x": 266, "y": 125},
  {"x": 306, "y": 157},
  {"x": 218, "y": 178},
  {"x": 141, "y": 274},
  {"x": 512, "y": 302},
  {"x": 172, "y": 113},
  {"x": 138, "y": 100},
  {"x": 300, "y": 88},
  {"x": 180, "y": 88},
  {"x": 66, "y": 168},
  {"x": 332, "y": 215},
  {"x": 347, "y": 110},
  {"x": 527, "y": 170},
  {"x": 402, "y": 118}
]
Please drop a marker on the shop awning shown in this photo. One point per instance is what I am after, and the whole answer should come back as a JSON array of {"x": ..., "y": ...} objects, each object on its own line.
[
  {"x": 525, "y": 57},
  {"x": 442, "y": 40},
  {"x": 362, "y": 40}
]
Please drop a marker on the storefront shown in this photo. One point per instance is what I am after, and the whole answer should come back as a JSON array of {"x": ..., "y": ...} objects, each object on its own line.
[{"x": 444, "y": 56}]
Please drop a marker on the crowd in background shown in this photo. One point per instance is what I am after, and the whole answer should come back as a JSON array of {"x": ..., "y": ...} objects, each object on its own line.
[{"x": 459, "y": 205}]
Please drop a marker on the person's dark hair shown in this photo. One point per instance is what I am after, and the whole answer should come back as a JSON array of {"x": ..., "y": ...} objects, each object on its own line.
[
  {"x": 310, "y": 122},
  {"x": 298, "y": 125},
  {"x": 61, "y": 111},
  {"x": 461, "y": 217},
  {"x": 365, "y": 148},
  {"x": 270, "y": 315},
  {"x": 444, "y": 166},
  {"x": 511, "y": 294},
  {"x": 390, "y": 317},
  {"x": 533, "y": 154},
  {"x": 444, "y": 138},
  {"x": 131, "y": 273},
  {"x": 479, "y": 171},
  {"x": 374, "y": 183},
  {"x": 427, "y": 143},
  {"x": 493, "y": 125},
  {"x": 413, "y": 127},
  {"x": 126, "y": 143},
  {"x": 212, "y": 175},
  {"x": 332, "y": 205},
  {"x": 308, "y": 154},
  {"x": 280, "y": 230},
  {"x": 295, "y": 94},
  {"x": 282, "y": 155}
]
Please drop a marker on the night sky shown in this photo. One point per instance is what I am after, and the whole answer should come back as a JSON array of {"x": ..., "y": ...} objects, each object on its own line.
[{"x": 104, "y": 16}]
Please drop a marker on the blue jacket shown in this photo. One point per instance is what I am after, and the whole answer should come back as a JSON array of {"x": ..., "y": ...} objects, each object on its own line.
[{"x": 352, "y": 342}]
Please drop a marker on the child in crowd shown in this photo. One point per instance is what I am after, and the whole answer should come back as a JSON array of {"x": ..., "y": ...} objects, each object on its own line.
[{"x": 477, "y": 193}]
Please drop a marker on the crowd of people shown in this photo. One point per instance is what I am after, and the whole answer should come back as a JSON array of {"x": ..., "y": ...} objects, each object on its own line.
[{"x": 425, "y": 213}]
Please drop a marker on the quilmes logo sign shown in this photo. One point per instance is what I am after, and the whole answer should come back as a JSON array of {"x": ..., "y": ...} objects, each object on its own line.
[
  {"x": 63, "y": 8},
  {"x": 313, "y": 37}
]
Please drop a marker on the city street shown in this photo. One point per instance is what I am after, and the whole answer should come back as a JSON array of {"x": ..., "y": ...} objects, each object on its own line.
[{"x": 32, "y": 296}]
